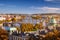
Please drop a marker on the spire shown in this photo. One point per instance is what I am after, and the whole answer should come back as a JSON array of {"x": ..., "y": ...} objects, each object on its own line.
[{"x": 52, "y": 21}]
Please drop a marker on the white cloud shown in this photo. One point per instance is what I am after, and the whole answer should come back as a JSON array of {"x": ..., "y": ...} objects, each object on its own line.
[
  {"x": 53, "y": 1},
  {"x": 49, "y": 8},
  {"x": 46, "y": 9},
  {"x": 48, "y": 0}
]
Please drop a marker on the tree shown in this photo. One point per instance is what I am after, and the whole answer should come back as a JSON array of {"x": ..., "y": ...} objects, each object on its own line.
[
  {"x": 23, "y": 27},
  {"x": 18, "y": 28},
  {"x": 3, "y": 34},
  {"x": 26, "y": 27}
]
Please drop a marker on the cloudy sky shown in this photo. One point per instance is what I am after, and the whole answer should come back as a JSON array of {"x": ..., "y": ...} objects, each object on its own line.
[{"x": 29, "y": 6}]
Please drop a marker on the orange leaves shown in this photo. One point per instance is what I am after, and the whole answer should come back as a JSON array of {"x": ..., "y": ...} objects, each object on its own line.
[
  {"x": 26, "y": 27},
  {"x": 30, "y": 27},
  {"x": 3, "y": 34}
]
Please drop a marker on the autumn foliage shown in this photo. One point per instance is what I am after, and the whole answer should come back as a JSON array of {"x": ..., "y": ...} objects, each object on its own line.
[
  {"x": 3, "y": 35},
  {"x": 30, "y": 27}
]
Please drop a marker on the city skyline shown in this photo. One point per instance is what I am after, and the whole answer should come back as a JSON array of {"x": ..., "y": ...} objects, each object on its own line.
[{"x": 29, "y": 6}]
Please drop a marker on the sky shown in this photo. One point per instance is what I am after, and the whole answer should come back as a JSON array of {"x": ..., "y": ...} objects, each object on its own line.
[{"x": 29, "y": 6}]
